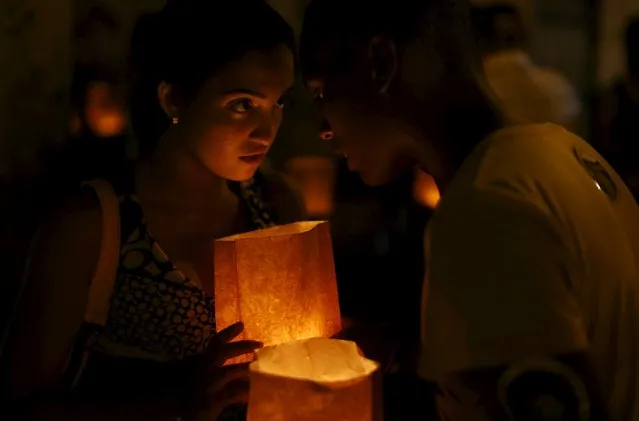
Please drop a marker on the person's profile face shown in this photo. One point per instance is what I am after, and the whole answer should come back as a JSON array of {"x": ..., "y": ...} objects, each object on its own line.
[
  {"x": 236, "y": 115},
  {"x": 357, "y": 119}
]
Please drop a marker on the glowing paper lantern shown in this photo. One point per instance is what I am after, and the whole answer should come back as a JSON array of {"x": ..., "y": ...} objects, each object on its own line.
[
  {"x": 314, "y": 177},
  {"x": 425, "y": 191},
  {"x": 314, "y": 380},
  {"x": 280, "y": 282}
]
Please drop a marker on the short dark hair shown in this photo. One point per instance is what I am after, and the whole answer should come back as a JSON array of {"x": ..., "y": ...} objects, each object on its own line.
[
  {"x": 345, "y": 24},
  {"x": 632, "y": 44},
  {"x": 186, "y": 43}
]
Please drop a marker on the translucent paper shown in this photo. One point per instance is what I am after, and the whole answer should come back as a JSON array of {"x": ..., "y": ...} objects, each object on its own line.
[
  {"x": 314, "y": 380},
  {"x": 280, "y": 282}
]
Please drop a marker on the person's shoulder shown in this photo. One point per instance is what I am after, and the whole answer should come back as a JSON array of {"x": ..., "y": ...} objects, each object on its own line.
[
  {"x": 484, "y": 227},
  {"x": 485, "y": 202},
  {"x": 521, "y": 149},
  {"x": 534, "y": 137},
  {"x": 529, "y": 163},
  {"x": 80, "y": 207},
  {"x": 72, "y": 226}
]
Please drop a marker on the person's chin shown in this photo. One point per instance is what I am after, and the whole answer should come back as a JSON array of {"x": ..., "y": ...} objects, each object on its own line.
[{"x": 373, "y": 179}]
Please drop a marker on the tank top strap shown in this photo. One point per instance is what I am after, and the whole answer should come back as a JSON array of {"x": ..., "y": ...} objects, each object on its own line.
[{"x": 107, "y": 266}]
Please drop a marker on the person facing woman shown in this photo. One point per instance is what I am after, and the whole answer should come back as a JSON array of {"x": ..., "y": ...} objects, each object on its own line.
[{"x": 142, "y": 343}]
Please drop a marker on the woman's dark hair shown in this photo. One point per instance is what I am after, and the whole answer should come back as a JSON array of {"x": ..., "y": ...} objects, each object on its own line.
[{"x": 186, "y": 43}]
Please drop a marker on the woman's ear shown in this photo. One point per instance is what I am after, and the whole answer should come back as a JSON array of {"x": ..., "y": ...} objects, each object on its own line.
[{"x": 167, "y": 100}]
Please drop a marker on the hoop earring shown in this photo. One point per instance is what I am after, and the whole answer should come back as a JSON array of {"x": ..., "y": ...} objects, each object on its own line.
[{"x": 176, "y": 120}]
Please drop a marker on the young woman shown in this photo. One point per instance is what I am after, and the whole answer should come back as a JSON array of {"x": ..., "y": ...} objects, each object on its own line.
[{"x": 207, "y": 103}]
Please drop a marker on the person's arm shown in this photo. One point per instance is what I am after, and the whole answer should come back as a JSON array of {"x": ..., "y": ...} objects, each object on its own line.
[
  {"x": 502, "y": 332},
  {"x": 50, "y": 314},
  {"x": 548, "y": 388}
]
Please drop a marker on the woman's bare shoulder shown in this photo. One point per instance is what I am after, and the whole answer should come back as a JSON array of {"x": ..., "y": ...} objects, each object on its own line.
[{"x": 69, "y": 236}]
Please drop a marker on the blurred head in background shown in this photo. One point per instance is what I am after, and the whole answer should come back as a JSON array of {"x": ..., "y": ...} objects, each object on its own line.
[
  {"x": 97, "y": 98},
  {"x": 209, "y": 82},
  {"x": 499, "y": 27},
  {"x": 527, "y": 93},
  {"x": 96, "y": 36}
]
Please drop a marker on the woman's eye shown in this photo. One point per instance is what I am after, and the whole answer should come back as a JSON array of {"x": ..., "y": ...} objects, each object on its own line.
[{"x": 241, "y": 105}]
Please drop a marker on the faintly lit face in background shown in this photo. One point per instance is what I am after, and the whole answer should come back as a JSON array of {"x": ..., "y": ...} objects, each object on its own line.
[
  {"x": 231, "y": 124},
  {"x": 104, "y": 110}
]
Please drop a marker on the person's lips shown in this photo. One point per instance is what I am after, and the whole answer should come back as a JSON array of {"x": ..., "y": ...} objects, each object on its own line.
[{"x": 253, "y": 159}]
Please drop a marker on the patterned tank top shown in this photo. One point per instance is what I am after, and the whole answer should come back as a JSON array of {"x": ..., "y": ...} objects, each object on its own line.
[{"x": 157, "y": 315}]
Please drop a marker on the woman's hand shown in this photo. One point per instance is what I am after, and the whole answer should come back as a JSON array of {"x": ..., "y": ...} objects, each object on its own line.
[{"x": 218, "y": 386}]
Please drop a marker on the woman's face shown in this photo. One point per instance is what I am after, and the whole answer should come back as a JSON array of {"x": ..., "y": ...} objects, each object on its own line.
[{"x": 232, "y": 122}]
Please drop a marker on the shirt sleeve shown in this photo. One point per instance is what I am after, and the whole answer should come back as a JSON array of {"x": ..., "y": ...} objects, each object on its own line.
[{"x": 500, "y": 286}]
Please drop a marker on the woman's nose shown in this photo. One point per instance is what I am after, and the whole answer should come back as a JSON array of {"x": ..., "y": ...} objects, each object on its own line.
[
  {"x": 325, "y": 131},
  {"x": 265, "y": 130}
]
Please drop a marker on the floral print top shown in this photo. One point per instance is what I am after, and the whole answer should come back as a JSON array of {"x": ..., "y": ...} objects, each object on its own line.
[{"x": 157, "y": 315}]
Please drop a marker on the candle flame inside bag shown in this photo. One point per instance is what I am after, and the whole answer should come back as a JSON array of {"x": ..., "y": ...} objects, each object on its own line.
[
  {"x": 317, "y": 379},
  {"x": 280, "y": 282}
]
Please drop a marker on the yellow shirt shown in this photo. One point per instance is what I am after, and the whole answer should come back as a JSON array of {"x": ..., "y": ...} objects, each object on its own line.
[{"x": 533, "y": 252}]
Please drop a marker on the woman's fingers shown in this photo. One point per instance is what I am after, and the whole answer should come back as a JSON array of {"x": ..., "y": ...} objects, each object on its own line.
[
  {"x": 227, "y": 375},
  {"x": 233, "y": 349},
  {"x": 221, "y": 347},
  {"x": 227, "y": 334}
]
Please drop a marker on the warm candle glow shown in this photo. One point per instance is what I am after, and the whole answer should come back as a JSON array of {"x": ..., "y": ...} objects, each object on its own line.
[
  {"x": 314, "y": 177},
  {"x": 314, "y": 380},
  {"x": 280, "y": 282},
  {"x": 425, "y": 190},
  {"x": 104, "y": 116}
]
